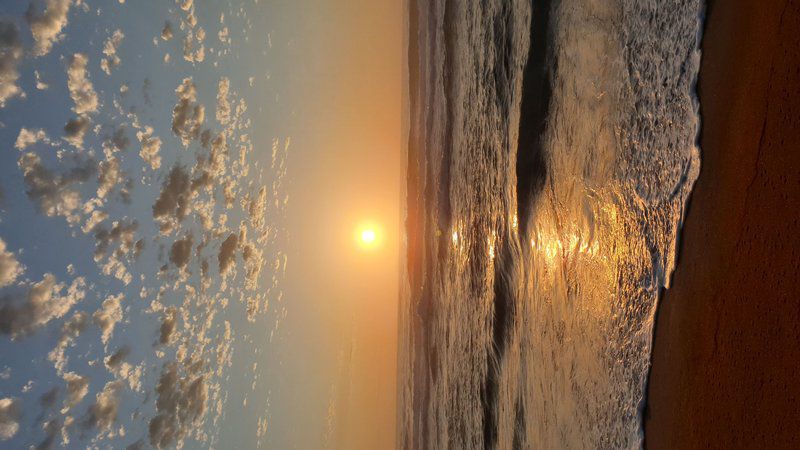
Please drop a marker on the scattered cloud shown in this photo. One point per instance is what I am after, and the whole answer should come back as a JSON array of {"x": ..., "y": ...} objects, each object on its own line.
[
  {"x": 188, "y": 115},
  {"x": 55, "y": 194},
  {"x": 40, "y": 85},
  {"x": 150, "y": 147},
  {"x": 227, "y": 253},
  {"x": 10, "y": 56},
  {"x": 111, "y": 59},
  {"x": 223, "y": 104},
  {"x": 180, "y": 405},
  {"x": 10, "y": 412},
  {"x": 109, "y": 314},
  {"x": 102, "y": 414},
  {"x": 80, "y": 88},
  {"x": 181, "y": 251},
  {"x": 25, "y": 313},
  {"x": 75, "y": 130},
  {"x": 173, "y": 201},
  {"x": 10, "y": 268},
  {"x": 166, "y": 32},
  {"x": 47, "y": 19},
  {"x": 71, "y": 329},
  {"x": 28, "y": 137},
  {"x": 168, "y": 325},
  {"x": 77, "y": 388}
]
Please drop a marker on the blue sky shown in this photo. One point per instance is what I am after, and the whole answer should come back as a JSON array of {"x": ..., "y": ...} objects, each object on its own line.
[{"x": 189, "y": 353}]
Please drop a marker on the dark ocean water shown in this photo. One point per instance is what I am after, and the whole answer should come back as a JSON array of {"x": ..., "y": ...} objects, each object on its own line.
[{"x": 552, "y": 149}]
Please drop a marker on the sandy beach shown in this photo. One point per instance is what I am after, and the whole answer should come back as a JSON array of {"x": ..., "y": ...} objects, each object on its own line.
[{"x": 727, "y": 346}]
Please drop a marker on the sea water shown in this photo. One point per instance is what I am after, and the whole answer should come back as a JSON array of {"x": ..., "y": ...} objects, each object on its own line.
[{"x": 551, "y": 152}]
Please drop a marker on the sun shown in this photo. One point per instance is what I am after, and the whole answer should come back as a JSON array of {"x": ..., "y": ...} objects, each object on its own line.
[{"x": 368, "y": 236}]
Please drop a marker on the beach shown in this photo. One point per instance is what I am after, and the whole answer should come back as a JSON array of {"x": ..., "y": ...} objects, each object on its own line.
[{"x": 726, "y": 350}]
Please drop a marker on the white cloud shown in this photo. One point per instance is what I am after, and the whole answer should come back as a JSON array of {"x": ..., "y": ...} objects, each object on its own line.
[
  {"x": 10, "y": 412},
  {"x": 40, "y": 85},
  {"x": 44, "y": 301},
  {"x": 150, "y": 147},
  {"x": 10, "y": 56},
  {"x": 187, "y": 115},
  {"x": 181, "y": 404},
  {"x": 223, "y": 104},
  {"x": 111, "y": 59},
  {"x": 77, "y": 388},
  {"x": 71, "y": 329},
  {"x": 108, "y": 316},
  {"x": 173, "y": 202},
  {"x": 75, "y": 130},
  {"x": 30, "y": 137},
  {"x": 46, "y": 24},
  {"x": 103, "y": 413},
  {"x": 54, "y": 194},
  {"x": 80, "y": 88},
  {"x": 10, "y": 268},
  {"x": 166, "y": 32}
]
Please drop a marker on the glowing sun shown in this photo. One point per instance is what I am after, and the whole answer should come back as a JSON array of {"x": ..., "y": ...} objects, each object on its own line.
[{"x": 367, "y": 237}]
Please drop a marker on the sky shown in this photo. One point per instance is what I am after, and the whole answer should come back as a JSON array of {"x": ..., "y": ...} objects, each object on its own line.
[{"x": 183, "y": 185}]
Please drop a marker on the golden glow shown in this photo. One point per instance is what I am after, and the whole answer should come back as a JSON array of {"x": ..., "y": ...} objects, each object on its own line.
[{"x": 368, "y": 236}]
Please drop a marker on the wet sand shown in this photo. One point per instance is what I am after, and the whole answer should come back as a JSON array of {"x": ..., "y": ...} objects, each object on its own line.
[{"x": 726, "y": 357}]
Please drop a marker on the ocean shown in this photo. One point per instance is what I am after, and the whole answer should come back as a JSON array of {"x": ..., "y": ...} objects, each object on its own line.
[{"x": 552, "y": 148}]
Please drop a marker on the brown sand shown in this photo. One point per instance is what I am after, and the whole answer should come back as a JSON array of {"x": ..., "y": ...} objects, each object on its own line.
[{"x": 726, "y": 360}]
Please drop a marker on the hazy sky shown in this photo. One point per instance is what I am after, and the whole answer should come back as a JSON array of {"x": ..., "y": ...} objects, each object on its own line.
[
  {"x": 182, "y": 187},
  {"x": 349, "y": 120}
]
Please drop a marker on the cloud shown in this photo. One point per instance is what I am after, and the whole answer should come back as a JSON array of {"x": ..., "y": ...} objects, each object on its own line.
[
  {"x": 75, "y": 130},
  {"x": 46, "y": 24},
  {"x": 54, "y": 194},
  {"x": 168, "y": 325},
  {"x": 10, "y": 268},
  {"x": 77, "y": 388},
  {"x": 10, "y": 56},
  {"x": 111, "y": 60},
  {"x": 150, "y": 147},
  {"x": 187, "y": 115},
  {"x": 28, "y": 137},
  {"x": 223, "y": 104},
  {"x": 51, "y": 429},
  {"x": 110, "y": 175},
  {"x": 227, "y": 253},
  {"x": 173, "y": 201},
  {"x": 181, "y": 251},
  {"x": 102, "y": 414},
  {"x": 71, "y": 329},
  {"x": 180, "y": 405},
  {"x": 123, "y": 236},
  {"x": 121, "y": 232},
  {"x": 117, "y": 365},
  {"x": 166, "y": 32},
  {"x": 80, "y": 88},
  {"x": 108, "y": 315},
  {"x": 10, "y": 412},
  {"x": 24, "y": 314},
  {"x": 120, "y": 138},
  {"x": 257, "y": 209},
  {"x": 193, "y": 48},
  {"x": 115, "y": 360},
  {"x": 40, "y": 85}
]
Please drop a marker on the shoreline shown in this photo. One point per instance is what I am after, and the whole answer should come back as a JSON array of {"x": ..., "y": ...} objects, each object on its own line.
[{"x": 726, "y": 345}]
